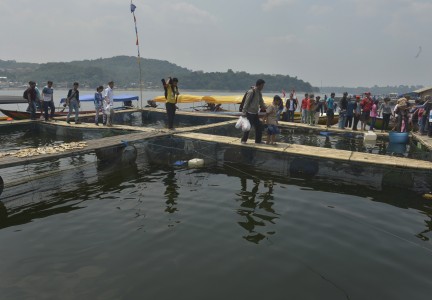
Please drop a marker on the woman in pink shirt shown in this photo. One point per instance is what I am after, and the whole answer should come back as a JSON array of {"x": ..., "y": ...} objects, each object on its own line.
[{"x": 373, "y": 114}]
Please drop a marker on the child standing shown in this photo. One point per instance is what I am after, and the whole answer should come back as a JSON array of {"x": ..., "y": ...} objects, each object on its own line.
[
  {"x": 373, "y": 114},
  {"x": 270, "y": 119}
]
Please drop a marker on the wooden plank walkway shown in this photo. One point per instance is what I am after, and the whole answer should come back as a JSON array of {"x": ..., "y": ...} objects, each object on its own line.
[
  {"x": 324, "y": 153},
  {"x": 141, "y": 133},
  {"x": 424, "y": 139},
  {"x": 138, "y": 134}
]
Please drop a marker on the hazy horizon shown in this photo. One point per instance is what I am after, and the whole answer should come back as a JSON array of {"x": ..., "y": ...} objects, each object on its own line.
[{"x": 334, "y": 43}]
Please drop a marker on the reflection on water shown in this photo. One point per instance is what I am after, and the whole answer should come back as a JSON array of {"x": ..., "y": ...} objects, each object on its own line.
[
  {"x": 257, "y": 209},
  {"x": 231, "y": 222},
  {"x": 171, "y": 193}
]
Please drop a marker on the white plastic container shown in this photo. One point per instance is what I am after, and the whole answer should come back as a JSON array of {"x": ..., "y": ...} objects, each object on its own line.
[
  {"x": 370, "y": 136},
  {"x": 196, "y": 163}
]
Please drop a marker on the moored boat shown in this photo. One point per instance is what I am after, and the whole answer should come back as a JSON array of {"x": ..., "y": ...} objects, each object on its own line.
[{"x": 24, "y": 115}]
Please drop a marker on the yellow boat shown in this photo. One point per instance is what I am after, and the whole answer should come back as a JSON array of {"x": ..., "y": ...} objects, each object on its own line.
[{"x": 235, "y": 99}]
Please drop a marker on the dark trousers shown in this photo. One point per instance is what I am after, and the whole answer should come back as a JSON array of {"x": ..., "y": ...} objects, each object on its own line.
[
  {"x": 290, "y": 115},
  {"x": 348, "y": 121},
  {"x": 256, "y": 123},
  {"x": 356, "y": 120},
  {"x": 32, "y": 108},
  {"x": 386, "y": 121},
  {"x": 170, "y": 109},
  {"x": 48, "y": 105}
]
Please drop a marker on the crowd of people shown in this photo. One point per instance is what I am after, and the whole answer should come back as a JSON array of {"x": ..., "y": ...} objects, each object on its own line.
[
  {"x": 352, "y": 110},
  {"x": 45, "y": 102}
]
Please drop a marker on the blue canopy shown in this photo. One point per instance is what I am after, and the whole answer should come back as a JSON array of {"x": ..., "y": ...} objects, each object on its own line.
[{"x": 117, "y": 98}]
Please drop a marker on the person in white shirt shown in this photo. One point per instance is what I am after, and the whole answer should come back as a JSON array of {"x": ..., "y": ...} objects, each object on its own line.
[
  {"x": 48, "y": 101},
  {"x": 108, "y": 110}
]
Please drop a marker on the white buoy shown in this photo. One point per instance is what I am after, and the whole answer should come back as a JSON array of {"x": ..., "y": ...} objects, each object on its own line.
[
  {"x": 196, "y": 163},
  {"x": 370, "y": 136}
]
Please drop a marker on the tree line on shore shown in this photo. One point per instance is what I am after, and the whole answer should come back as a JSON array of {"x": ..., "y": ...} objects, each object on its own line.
[{"x": 124, "y": 71}]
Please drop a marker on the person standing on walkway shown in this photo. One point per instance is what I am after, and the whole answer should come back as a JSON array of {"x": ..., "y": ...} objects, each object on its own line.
[
  {"x": 108, "y": 104},
  {"x": 318, "y": 109},
  {"x": 171, "y": 95},
  {"x": 357, "y": 113},
  {"x": 350, "y": 112},
  {"x": 366, "y": 105},
  {"x": 330, "y": 109},
  {"x": 424, "y": 124},
  {"x": 311, "y": 110},
  {"x": 73, "y": 102},
  {"x": 373, "y": 115},
  {"x": 271, "y": 120},
  {"x": 385, "y": 111},
  {"x": 291, "y": 107},
  {"x": 343, "y": 110},
  {"x": 303, "y": 109},
  {"x": 253, "y": 102},
  {"x": 31, "y": 96},
  {"x": 48, "y": 101},
  {"x": 98, "y": 102}
]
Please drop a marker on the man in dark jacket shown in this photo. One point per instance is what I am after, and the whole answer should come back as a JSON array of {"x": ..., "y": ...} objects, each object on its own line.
[
  {"x": 253, "y": 102},
  {"x": 32, "y": 99}
]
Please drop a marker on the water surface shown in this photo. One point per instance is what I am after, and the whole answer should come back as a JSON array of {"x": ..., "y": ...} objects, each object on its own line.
[{"x": 146, "y": 231}]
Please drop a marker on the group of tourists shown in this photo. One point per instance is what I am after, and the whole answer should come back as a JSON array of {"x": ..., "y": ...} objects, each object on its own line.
[
  {"x": 45, "y": 102},
  {"x": 354, "y": 110}
]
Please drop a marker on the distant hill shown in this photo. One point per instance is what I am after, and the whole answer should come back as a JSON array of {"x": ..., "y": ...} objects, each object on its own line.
[{"x": 125, "y": 72}]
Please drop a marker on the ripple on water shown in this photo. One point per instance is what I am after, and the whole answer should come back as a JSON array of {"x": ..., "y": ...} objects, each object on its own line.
[{"x": 158, "y": 234}]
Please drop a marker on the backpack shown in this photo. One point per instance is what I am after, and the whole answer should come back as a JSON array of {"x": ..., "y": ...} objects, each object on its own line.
[
  {"x": 25, "y": 94},
  {"x": 244, "y": 99},
  {"x": 165, "y": 87}
]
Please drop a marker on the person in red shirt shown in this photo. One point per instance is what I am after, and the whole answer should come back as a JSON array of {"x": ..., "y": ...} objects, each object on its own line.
[
  {"x": 366, "y": 105},
  {"x": 310, "y": 106},
  {"x": 303, "y": 109}
]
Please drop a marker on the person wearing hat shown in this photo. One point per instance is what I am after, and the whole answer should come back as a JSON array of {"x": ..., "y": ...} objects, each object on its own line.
[
  {"x": 253, "y": 102},
  {"x": 271, "y": 120}
]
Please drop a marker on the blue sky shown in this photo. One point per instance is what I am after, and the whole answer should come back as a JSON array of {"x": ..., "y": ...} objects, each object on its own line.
[{"x": 333, "y": 43}]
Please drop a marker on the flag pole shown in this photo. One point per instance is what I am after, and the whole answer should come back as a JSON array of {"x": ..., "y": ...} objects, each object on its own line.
[{"x": 132, "y": 8}]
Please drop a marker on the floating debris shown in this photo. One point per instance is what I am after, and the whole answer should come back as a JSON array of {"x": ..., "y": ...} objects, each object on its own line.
[{"x": 29, "y": 152}]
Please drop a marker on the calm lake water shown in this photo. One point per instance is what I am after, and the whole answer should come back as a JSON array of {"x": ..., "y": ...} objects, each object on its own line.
[{"x": 147, "y": 231}]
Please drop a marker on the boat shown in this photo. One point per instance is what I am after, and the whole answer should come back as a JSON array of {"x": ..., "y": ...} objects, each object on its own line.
[
  {"x": 398, "y": 137},
  {"x": 126, "y": 99},
  {"x": 24, "y": 115}
]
